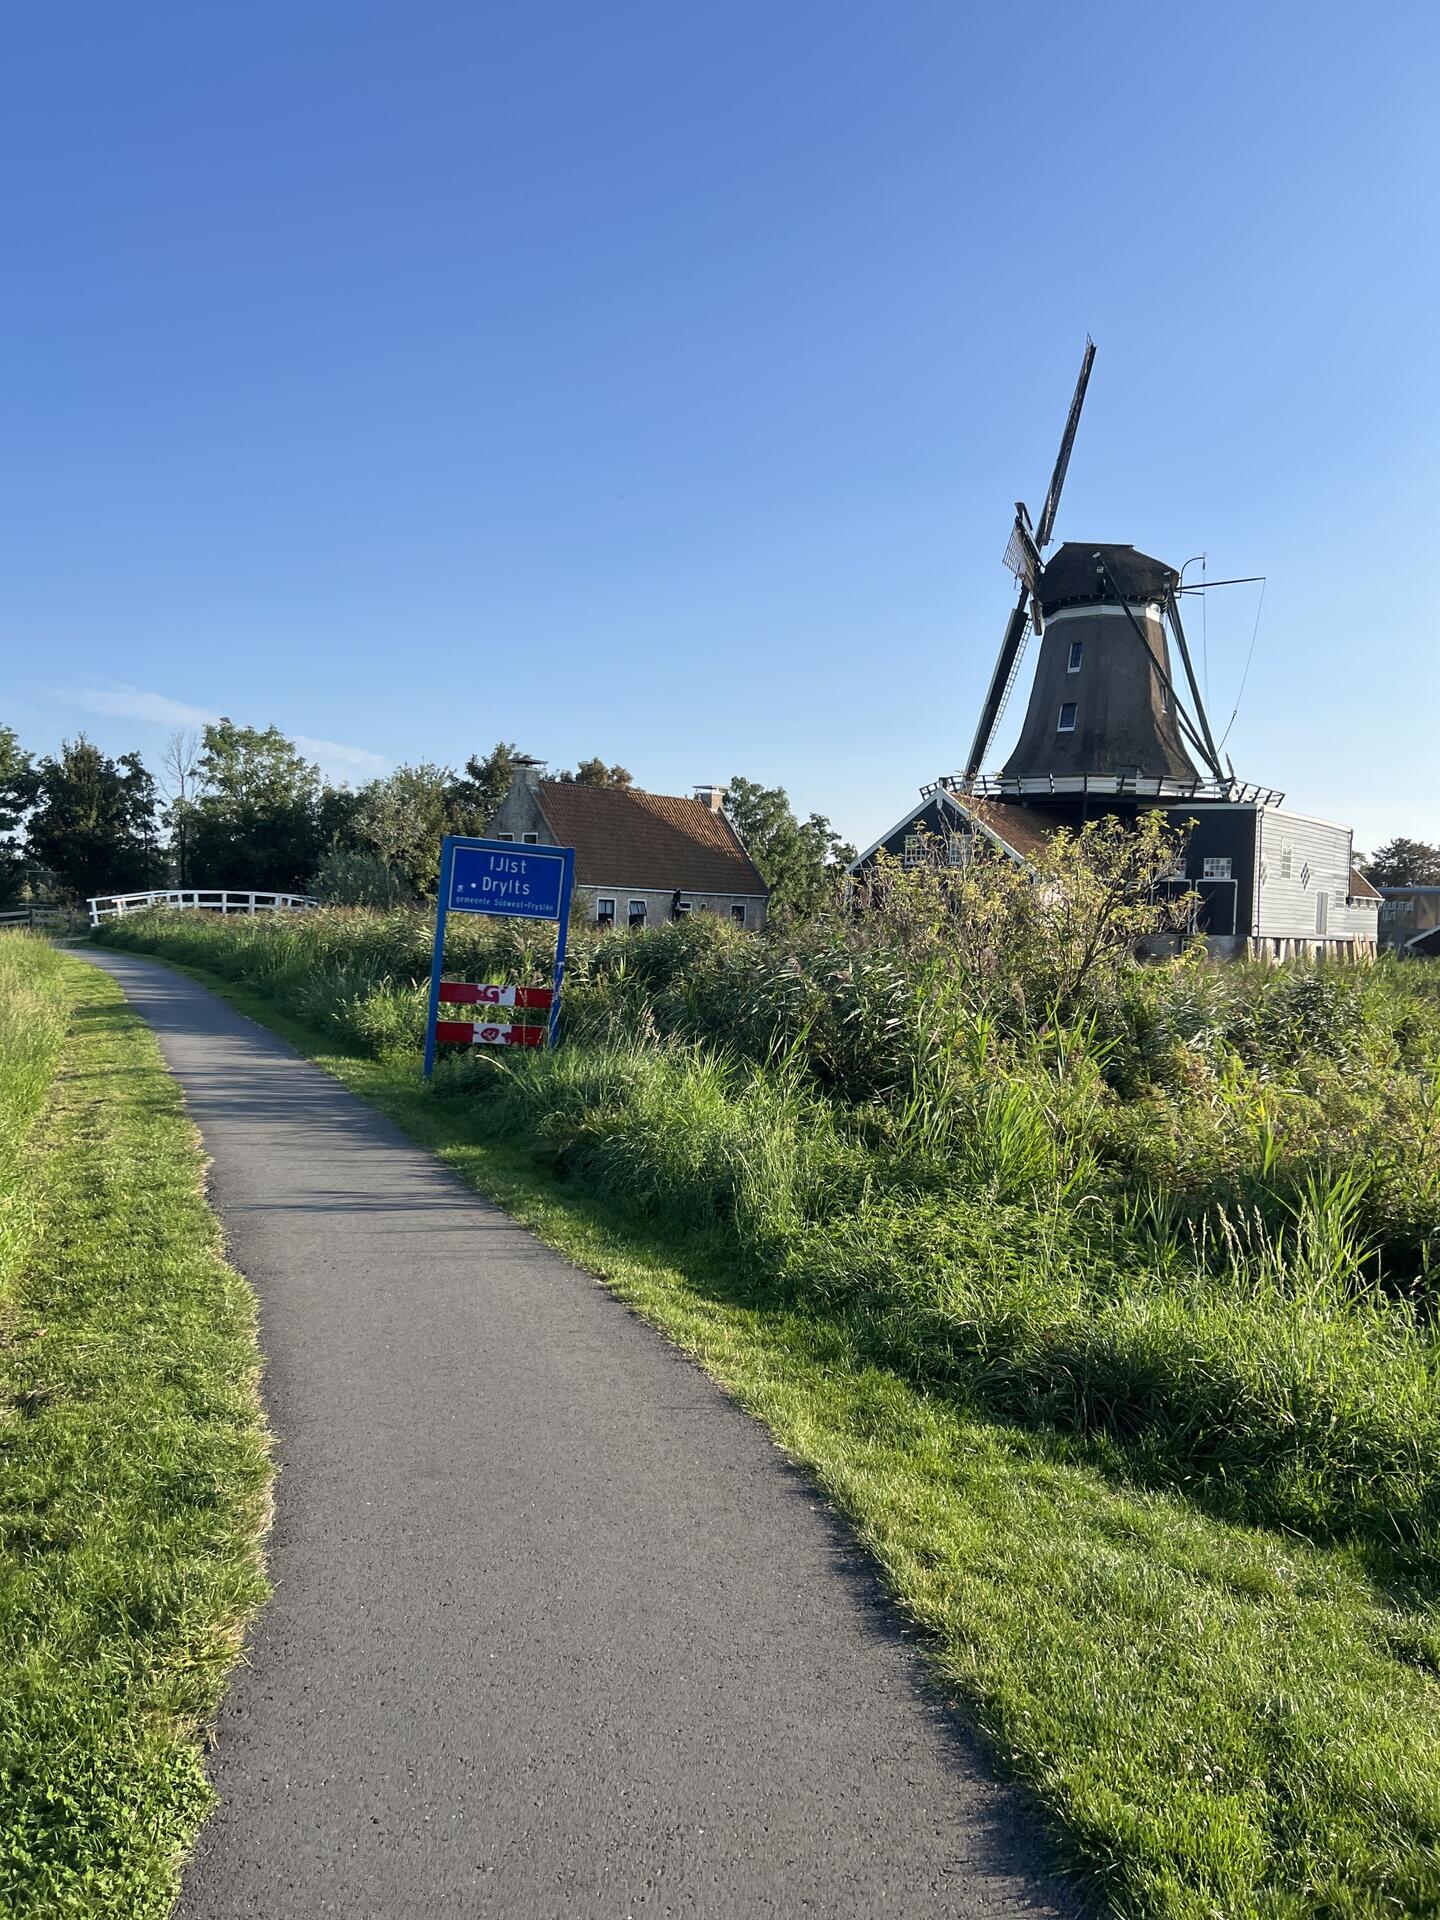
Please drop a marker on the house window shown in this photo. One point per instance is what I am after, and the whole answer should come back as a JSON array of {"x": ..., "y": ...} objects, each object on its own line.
[
  {"x": 737, "y": 914},
  {"x": 1067, "y": 718},
  {"x": 681, "y": 909},
  {"x": 605, "y": 913},
  {"x": 914, "y": 850},
  {"x": 532, "y": 839},
  {"x": 1216, "y": 867},
  {"x": 637, "y": 913},
  {"x": 959, "y": 848},
  {"x": 1077, "y": 654},
  {"x": 504, "y": 836}
]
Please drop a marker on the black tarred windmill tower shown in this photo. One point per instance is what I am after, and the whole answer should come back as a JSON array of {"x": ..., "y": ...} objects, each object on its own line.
[{"x": 1105, "y": 716}]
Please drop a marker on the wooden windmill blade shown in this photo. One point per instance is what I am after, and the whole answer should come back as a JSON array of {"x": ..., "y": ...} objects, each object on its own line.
[
  {"x": 1045, "y": 531},
  {"x": 1023, "y": 558},
  {"x": 1006, "y": 666}
]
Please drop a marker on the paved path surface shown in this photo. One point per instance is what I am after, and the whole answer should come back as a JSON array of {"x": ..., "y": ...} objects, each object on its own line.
[{"x": 556, "y": 1630}]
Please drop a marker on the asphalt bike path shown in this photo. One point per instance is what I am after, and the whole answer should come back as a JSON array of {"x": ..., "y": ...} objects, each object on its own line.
[{"x": 556, "y": 1632}]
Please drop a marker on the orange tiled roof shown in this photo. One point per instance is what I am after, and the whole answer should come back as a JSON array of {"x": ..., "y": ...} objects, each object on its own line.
[
  {"x": 625, "y": 837},
  {"x": 1024, "y": 829}
]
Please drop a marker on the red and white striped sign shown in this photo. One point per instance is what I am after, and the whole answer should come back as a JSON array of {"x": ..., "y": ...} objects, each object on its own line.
[
  {"x": 471, "y": 1033},
  {"x": 459, "y": 993}
]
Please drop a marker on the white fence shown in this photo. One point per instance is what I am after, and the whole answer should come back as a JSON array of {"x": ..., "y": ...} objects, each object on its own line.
[
  {"x": 68, "y": 918},
  {"x": 111, "y": 906}
]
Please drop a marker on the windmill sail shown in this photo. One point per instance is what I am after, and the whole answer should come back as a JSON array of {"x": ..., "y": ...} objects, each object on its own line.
[
  {"x": 1045, "y": 531},
  {"x": 1023, "y": 556}
]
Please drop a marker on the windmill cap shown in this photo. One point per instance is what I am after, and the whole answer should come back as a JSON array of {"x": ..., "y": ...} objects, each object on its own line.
[{"x": 1071, "y": 578}]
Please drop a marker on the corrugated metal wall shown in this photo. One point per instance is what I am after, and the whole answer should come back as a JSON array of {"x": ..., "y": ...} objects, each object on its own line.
[{"x": 1304, "y": 881}]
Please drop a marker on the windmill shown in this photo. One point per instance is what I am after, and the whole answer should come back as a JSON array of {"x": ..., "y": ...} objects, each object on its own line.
[{"x": 1103, "y": 707}]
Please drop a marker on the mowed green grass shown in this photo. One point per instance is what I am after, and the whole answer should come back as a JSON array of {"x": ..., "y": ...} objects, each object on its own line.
[
  {"x": 133, "y": 1455},
  {"x": 1217, "y": 1720}
]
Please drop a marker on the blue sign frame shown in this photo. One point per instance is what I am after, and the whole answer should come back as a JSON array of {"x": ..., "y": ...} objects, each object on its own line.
[{"x": 514, "y": 881}]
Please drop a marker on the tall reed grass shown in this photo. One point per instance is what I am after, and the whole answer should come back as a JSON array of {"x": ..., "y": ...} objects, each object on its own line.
[{"x": 1189, "y": 1218}]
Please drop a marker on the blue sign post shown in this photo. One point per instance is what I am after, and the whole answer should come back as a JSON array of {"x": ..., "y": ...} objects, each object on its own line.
[{"x": 498, "y": 877}]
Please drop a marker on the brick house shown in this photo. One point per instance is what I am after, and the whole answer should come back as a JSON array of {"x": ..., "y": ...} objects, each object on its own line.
[{"x": 640, "y": 858}]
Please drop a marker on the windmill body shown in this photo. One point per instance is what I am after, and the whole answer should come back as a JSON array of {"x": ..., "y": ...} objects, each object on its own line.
[{"x": 1101, "y": 703}]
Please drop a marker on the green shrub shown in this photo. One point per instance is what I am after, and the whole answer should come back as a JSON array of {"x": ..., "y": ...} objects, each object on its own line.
[{"x": 350, "y": 877}]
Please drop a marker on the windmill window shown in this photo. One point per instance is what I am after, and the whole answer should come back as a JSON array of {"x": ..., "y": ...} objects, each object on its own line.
[
  {"x": 1285, "y": 863},
  {"x": 1216, "y": 867},
  {"x": 960, "y": 847},
  {"x": 1067, "y": 718},
  {"x": 1077, "y": 654}
]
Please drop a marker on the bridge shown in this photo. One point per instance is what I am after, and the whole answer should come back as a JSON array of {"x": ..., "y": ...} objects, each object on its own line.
[{"x": 112, "y": 906}]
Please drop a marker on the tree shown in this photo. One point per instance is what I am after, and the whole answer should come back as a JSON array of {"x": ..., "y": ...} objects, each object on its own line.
[
  {"x": 800, "y": 861},
  {"x": 335, "y": 817},
  {"x": 401, "y": 820},
  {"x": 17, "y": 796},
  {"x": 257, "y": 820},
  {"x": 595, "y": 773},
  {"x": 93, "y": 827},
  {"x": 487, "y": 782},
  {"x": 355, "y": 877},
  {"x": 178, "y": 777},
  {"x": 1403, "y": 863}
]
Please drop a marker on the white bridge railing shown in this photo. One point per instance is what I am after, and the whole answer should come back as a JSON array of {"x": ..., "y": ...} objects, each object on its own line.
[
  {"x": 111, "y": 906},
  {"x": 67, "y": 917}
]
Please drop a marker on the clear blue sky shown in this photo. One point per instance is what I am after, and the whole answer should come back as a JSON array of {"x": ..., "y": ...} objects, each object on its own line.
[{"x": 656, "y": 379}]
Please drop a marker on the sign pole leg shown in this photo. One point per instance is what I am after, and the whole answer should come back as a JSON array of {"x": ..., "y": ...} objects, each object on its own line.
[
  {"x": 562, "y": 932},
  {"x": 447, "y": 859}
]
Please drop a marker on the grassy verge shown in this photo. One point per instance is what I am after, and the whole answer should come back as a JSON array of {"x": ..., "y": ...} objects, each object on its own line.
[
  {"x": 133, "y": 1459},
  {"x": 1220, "y": 1720}
]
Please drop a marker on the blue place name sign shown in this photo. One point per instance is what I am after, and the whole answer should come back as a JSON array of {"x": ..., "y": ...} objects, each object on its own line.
[{"x": 499, "y": 877}]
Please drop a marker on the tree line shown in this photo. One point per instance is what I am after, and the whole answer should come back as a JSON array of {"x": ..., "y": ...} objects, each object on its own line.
[{"x": 241, "y": 807}]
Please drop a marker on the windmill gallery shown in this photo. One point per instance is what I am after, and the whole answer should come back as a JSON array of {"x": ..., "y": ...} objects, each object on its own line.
[{"x": 1107, "y": 731}]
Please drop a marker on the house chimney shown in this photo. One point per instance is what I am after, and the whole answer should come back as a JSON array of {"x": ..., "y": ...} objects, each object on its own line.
[
  {"x": 711, "y": 797},
  {"x": 528, "y": 770}
]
